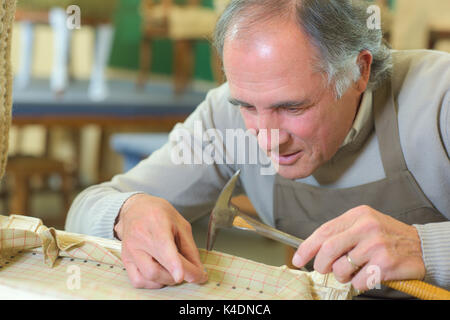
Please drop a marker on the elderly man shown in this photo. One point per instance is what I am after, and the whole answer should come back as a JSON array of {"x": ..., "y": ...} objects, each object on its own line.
[{"x": 359, "y": 136}]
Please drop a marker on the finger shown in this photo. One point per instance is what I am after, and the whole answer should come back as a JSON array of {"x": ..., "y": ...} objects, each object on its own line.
[
  {"x": 165, "y": 251},
  {"x": 369, "y": 277},
  {"x": 305, "y": 252},
  {"x": 334, "y": 248},
  {"x": 311, "y": 246},
  {"x": 188, "y": 248},
  {"x": 138, "y": 280},
  {"x": 343, "y": 270},
  {"x": 150, "y": 269},
  {"x": 193, "y": 273},
  {"x": 190, "y": 257}
]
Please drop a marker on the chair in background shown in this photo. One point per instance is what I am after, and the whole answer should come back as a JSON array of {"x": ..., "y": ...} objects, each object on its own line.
[
  {"x": 420, "y": 24},
  {"x": 439, "y": 25},
  {"x": 98, "y": 14},
  {"x": 182, "y": 24},
  {"x": 22, "y": 170},
  {"x": 437, "y": 35}
]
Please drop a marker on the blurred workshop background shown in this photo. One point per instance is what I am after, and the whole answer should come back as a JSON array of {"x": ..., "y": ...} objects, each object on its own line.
[{"x": 98, "y": 84}]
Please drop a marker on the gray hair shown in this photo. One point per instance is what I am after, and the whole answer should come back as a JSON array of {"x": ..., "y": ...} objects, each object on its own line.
[{"x": 338, "y": 29}]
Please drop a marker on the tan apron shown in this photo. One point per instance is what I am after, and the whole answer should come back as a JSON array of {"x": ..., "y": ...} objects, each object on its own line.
[{"x": 299, "y": 209}]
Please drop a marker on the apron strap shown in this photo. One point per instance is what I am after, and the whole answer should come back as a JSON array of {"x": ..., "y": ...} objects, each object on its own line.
[{"x": 386, "y": 128}]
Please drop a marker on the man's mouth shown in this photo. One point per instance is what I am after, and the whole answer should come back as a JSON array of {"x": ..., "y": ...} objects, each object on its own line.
[{"x": 287, "y": 158}]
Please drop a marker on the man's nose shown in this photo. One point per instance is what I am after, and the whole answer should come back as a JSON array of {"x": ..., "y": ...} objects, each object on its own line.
[{"x": 270, "y": 135}]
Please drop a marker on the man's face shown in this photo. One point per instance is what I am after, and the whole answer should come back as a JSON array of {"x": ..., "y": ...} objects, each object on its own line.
[{"x": 271, "y": 79}]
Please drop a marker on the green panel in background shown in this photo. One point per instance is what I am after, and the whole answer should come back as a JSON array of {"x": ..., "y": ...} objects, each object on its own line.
[
  {"x": 125, "y": 53},
  {"x": 392, "y": 4}
]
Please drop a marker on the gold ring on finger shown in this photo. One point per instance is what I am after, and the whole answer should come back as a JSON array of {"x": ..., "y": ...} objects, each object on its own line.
[{"x": 354, "y": 265}]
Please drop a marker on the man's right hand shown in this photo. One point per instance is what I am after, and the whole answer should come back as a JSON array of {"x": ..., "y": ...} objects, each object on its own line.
[{"x": 157, "y": 244}]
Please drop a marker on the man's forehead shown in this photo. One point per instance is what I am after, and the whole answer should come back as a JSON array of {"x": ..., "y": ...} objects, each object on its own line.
[
  {"x": 275, "y": 33},
  {"x": 268, "y": 56},
  {"x": 269, "y": 40},
  {"x": 271, "y": 68}
]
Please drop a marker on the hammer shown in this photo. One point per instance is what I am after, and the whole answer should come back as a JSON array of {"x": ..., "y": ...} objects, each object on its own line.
[{"x": 225, "y": 215}]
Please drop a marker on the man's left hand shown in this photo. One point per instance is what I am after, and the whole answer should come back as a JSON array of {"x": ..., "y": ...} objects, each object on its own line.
[{"x": 351, "y": 244}]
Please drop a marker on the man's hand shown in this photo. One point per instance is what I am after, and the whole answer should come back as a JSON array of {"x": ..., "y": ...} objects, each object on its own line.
[
  {"x": 157, "y": 244},
  {"x": 369, "y": 238}
]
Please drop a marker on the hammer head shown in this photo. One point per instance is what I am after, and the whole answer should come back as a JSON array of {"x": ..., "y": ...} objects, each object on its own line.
[{"x": 223, "y": 213}]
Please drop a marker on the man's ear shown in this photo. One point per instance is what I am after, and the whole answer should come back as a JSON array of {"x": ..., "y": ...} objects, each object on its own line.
[{"x": 364, "y": 61}]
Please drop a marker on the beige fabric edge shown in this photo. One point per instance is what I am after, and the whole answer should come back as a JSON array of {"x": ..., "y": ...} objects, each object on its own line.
[{"x": 7, "y": 12}]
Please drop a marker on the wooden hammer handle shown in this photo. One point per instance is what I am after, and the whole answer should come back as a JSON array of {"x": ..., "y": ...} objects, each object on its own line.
[{"x": 419, "y": 289}]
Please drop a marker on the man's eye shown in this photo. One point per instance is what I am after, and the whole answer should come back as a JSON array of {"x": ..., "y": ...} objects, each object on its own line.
[
  {"x": 296, "y": 110},
  {"x": 248, "y": 108},
  {"x": 293, "y": 109}
]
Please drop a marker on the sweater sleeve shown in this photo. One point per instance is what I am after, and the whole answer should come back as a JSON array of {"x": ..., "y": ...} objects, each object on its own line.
[
  {"x": 176, "y": 172},
  {"x": 435, "y": 239}
]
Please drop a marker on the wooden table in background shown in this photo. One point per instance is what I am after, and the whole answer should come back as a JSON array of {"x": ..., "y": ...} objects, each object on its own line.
[{"x": 153, "y": 109}]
